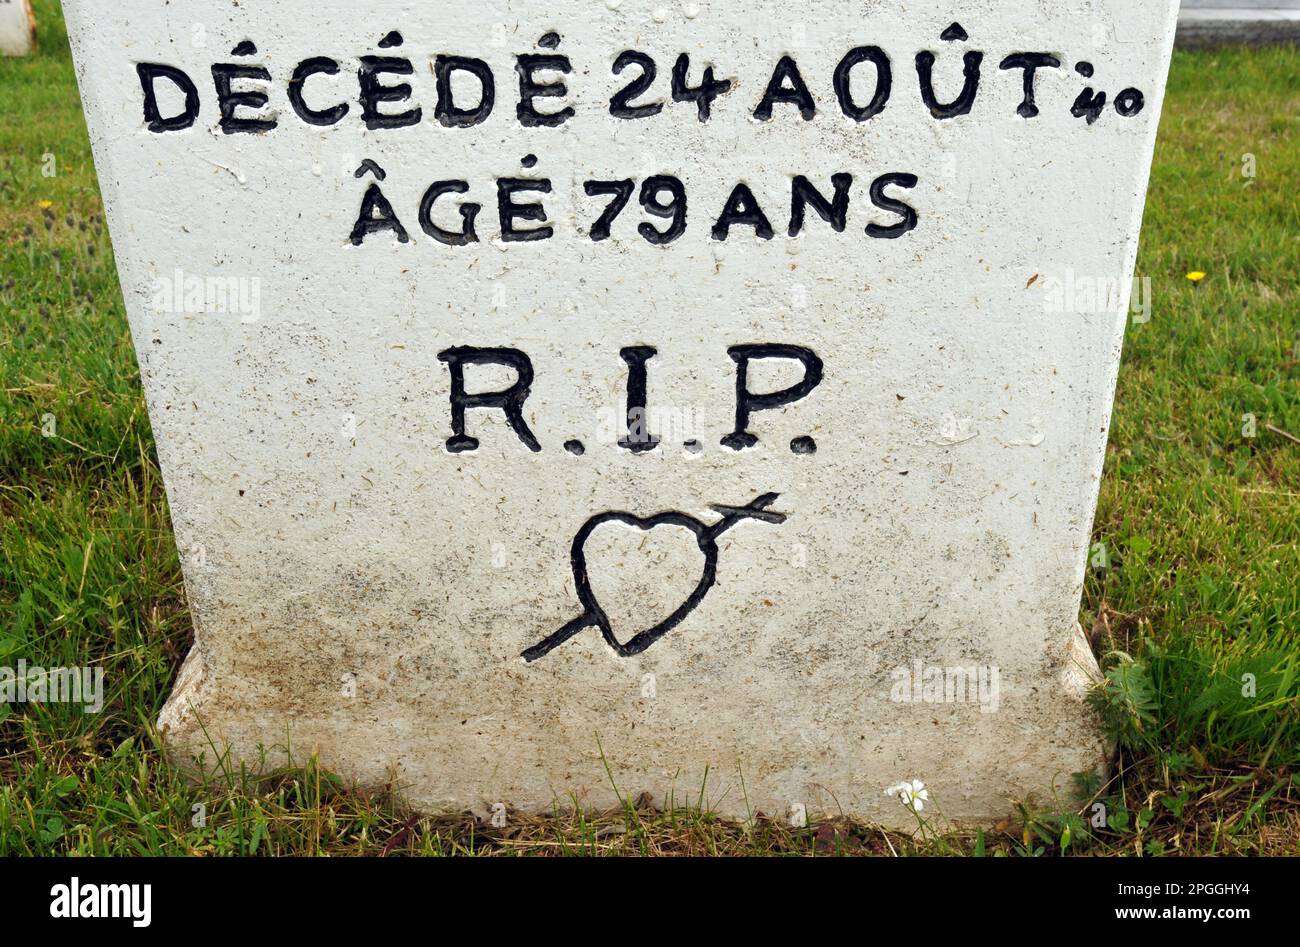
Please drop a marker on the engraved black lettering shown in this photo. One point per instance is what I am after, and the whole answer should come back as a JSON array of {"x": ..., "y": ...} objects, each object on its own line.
[
  {"x": 376, "y": 214},
  {"x": 844, "y": 79},
  {"x": 748, "y": 402},
  {"x": 449, "y": 115},
  {"x": 620, "y": 106},
  {"x": 742, "y": 208},
  {"x": 318, "y": 65},
  {"x": 530, "y": 89},
  {"x": 374, "y": 92},
  {"x": 511, "y": 401},
  {"x": 1030, "y": 63},
  {"x": 468, "y": 212},
  {"x": 786, "y": 86},
  {"x": 884, "y": 202},
  {"x": 509, "y": 211},
  {"x": 621, "y": 191},
  {"x": 1089, "y": 105},
  {"x": 1129, "y": 102},
  {"x": 229, "y": 99},
  {"x": 639, "y": 440},
  {"x": 149, "y": 73},
  {"x": 965, "y": 101},
  {"x": 835, "y": 211},
  {"x": 703, "y": 94},
  {"x": 673, "y": 209}
]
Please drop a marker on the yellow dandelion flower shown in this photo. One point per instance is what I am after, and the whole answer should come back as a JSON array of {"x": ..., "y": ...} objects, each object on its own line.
[
  {"x": 45, "y": 205},
  {"x": 1196, "y": 276}
]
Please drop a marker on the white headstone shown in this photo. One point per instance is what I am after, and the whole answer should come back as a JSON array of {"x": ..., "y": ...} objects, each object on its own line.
[
  {"x": 718, "y": 387},
  {"x": 17, "y": 28}
]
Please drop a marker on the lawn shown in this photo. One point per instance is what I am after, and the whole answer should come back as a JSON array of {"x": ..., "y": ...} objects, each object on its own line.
[{"x": 1193, "y": 603}]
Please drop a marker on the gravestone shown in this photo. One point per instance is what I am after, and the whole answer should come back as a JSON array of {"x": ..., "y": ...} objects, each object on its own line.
[
  {"x": 17, "y": 28},
  {"x": 711, "y": 395},
  {"x": 1212, "y": 22}
]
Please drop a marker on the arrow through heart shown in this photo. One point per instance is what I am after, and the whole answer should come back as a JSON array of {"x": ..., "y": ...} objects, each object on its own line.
[{"x": 594, "y": 616}]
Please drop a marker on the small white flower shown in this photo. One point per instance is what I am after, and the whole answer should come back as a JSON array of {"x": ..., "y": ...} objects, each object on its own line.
[{"x": 912, "y": 795}]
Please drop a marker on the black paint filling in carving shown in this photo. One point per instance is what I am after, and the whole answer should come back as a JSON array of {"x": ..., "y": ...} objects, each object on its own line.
[
  {"x": 954, "y": 34},
  {"x": 965, "y": 101},
  {"x": 246, "y": 48},
  {"x": 446, "y": 111},
  {"x": 468, "y": 214},
  {"x": 1129, "y": 102},
  {"x": 1089, "y": 105},
  {"x": 376, "y": 215},
  {"x": 742, "y": 208},
  {"x": 884, "y": 82},
  {"x": 532, "y": 88},
  {"x": 703, "y": 94},
  {"x": 884, "y": 202},
  {"x": 576, "y": 448},
  {"x": 305, "y": 70},
  {"x": 374, "y": 92},
  {"x": 1030, "y": 63},
  {"x": 748, "y": 401},
  {"x": 224, "y": 75},
  {"x": 368, "y": 164},
  {"x": 620, "y": 105},
  {"x": 639, "y": 440},
  {"x": 786, "y": 86},
  {"x": 151, "y": 72},
  {"x": 804, "y": 194},
  {"x": 707, "y": 537},
  {"x": 549, "y": 40},
  {"x": 391, "y": 41},
  {"x": 509, "y": 210},
  {"x": 510, "y": 401},
  {"x": 803, "y": 445}
]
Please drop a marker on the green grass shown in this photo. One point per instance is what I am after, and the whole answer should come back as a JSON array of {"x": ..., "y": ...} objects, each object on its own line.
[{"x": 1201, "y": 526}]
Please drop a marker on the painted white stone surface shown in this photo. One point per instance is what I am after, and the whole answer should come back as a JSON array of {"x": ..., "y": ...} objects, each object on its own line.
[
  {"x": 17, "y": 28},
  {"x": 360, "y": 590}
]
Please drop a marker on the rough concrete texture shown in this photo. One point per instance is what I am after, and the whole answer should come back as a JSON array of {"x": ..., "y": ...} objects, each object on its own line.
[
  {"x": 362, "y": 591},
  {"x": 1216, "y": 22},
  {"x": 1203, "y": 28},
  {"x": 17, "y": 28}
]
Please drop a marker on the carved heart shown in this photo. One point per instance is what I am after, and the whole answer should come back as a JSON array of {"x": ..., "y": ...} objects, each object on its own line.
[
  {"x": 642, "y": 573},
  {"x": 635, "y": 584}
]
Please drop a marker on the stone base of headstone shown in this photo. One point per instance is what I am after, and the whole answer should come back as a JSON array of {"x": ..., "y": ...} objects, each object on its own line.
[
  {"x": 972, "y": 781},
  {"x": 17, "y": 28}
]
